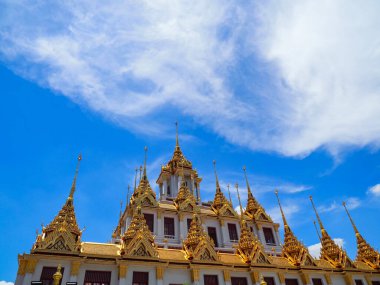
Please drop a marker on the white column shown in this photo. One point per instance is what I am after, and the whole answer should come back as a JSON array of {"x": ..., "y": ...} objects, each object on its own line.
[
  {"x": 123, "y": 281},
  {"x": 165, "y": 189},
  {"x": 160, "y": 234}
]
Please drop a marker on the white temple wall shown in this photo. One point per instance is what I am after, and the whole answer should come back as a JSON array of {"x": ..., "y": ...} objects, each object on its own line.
[
  {"x": 177, "y": 276},
  {"x": 338, "y": 280}
]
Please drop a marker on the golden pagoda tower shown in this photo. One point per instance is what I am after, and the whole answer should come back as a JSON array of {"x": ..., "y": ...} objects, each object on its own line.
[
  {"x": 330, "y": 251},
  {"x": 144, "y": 194},
  {"x": 292, "y": 248},
  {"x": 185, "y": 200},
  {"x": 138, "y": 239},
  {"x": 63, "y": 233},
  {"x": 221, "y": 206},
  {"x": 365, "y": 252},
  {"x": 198, "y": 245},
  {"x": 249, "y": 247},
  {"x": 254, "y": 210}
]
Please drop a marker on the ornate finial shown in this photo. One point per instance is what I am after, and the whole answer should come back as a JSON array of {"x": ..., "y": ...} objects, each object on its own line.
[
  {"x": 141, "y": 168},
  {"x": 216, "y": 177},
  {"x": 316, "y": 229},
  {"x": 241, "y": 207},
  {"x": 71, "y": 196},
  {"x": 246, "y": 180},
  {"x": 146, "y": 151},
  {"x": 136, "y": 170},
  {"x": 176, "y": 135},
  {"x": 352, "y": 221},
  {"x": 57, "y": 276},
  {"x": 316, "y": 213},
  {"x": 127, "y": 202},
  {"x": 229, "y": 193},
  {"x": 121, "y": 209},
  {"x": 282, "y": 212}
]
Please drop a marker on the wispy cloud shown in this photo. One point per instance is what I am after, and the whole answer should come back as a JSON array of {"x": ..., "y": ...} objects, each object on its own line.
[
  {"x": 312, "y": 80},
  {"x": 351, "y": 203},
  {"x": 374, "y": 190},
  {"x": 290, "y": 209},
  {"x": 315, "y": 249}
]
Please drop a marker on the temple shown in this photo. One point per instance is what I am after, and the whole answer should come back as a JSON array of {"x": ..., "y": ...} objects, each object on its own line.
[{"x": 172, "y": 237}]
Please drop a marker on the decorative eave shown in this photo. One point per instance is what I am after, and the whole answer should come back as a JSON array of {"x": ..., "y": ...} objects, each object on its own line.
[{"x": 62, "y": 234}]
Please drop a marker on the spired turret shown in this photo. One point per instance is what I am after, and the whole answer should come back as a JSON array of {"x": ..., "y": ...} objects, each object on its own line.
[
  {"x": 185, "y": 200},
  {"x": 293, "y": 249},
  {"x": 138, "y": 239},
  {"x": 63, "y": 233},
  {"x": 198, "y": 246},
  {"x": 221, "y": 206},
  {"x": 330, "y": 251},
  {"x": 365, "y": 252},
  {"x": 144, "y": 194},
  {"x": 177, "y": 169}
]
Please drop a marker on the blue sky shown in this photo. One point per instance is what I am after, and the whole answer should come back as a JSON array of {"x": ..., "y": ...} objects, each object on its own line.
[{"x": 290, "y": 90}]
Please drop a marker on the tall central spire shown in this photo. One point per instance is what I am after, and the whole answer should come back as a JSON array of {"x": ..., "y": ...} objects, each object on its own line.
[
  {"x": 144, "y": 173},
  {"x": 318, "y": 218},
  {"x": 216, "y": 177},
  {"x": 176, "y": 135}
]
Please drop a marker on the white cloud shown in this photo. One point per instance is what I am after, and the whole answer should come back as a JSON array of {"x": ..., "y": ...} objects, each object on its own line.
[
  {"x": 290, "y": 209},
  {"x": 351, "y": 203},
  {"x": 375, "y": 190},
  {"x": 311, "y": 80},
  {"x": 6, "y": 283},
  {"x": 315, "y": 249}
]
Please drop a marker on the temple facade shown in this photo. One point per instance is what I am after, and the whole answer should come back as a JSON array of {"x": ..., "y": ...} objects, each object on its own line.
[{"x": 174, "y": 238}]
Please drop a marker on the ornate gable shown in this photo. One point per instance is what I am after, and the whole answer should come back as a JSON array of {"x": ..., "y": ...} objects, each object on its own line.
[
  {"x": 198, "y": 246},
  {"x": 138, "y": 240},
  {"x": 63, "y": 233},
  {"x": 250, "y": 248}
]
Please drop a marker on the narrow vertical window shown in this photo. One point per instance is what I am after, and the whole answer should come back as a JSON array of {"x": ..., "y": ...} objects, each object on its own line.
[
  {"x": 149, "y": 218},
  {"x": 169, "y": 227},
  {"x": 210, "y": 279},
  {"x": 239, "y": 281},
  {"x": 269, "y": 237},
  {"x": 212, "y": 233},
  {"x": 233, "y": 232},
  {"x": 140, "y": 278}
]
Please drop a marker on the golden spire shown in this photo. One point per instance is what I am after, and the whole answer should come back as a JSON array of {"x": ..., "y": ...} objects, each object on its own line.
[
  {"x": 254, "y": 209},
  {"x": 316, "y": 229},
  {"x": 249, "y": 247},
  {"x": 220, "y": 204},
  {"x": 73, "y": 186},
  {"x": 229, "y": 194},
  {"x": 365, "y": 252},
  {"x": 136, "y": 170},
  {"x": 216, "y": 177},
  {"x": 198, "y": 245},
  {"x": 241, "y": 207},
  {"x": 144, "y": 191},
  {"x": 176, "y": 136},
  {"x": 138, "y": 239},
  {"x": 330, "y": 251},
  {"x": 63, "y": 227},
  {"x": 292, "y": 249}
]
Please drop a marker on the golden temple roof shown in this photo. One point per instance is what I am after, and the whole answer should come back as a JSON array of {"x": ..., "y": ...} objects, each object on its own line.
[
  {"x": 292, "y": 248},
  {"x": 365, "y": 253},
  {"x": 330, "y": 251},
  {"x": 63, "y": 233}
]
